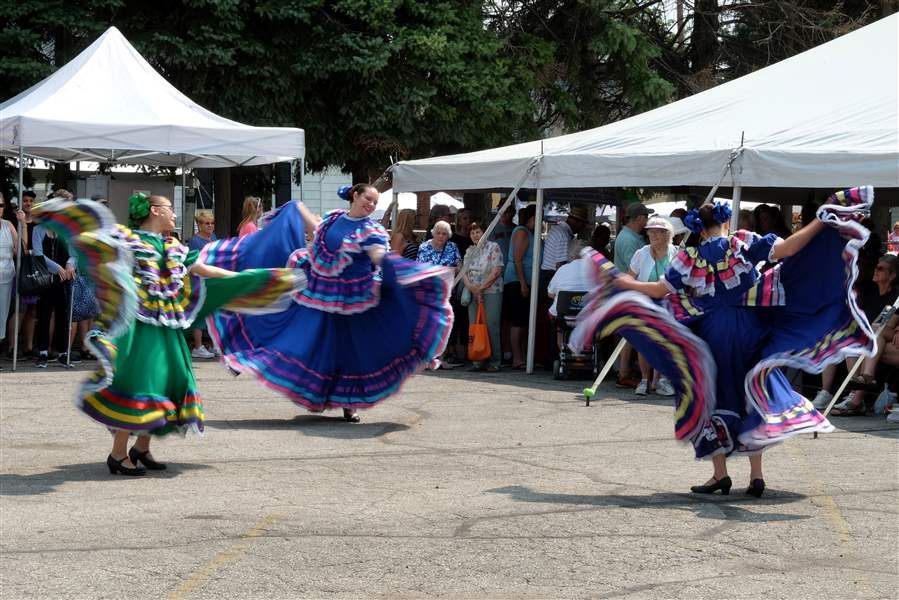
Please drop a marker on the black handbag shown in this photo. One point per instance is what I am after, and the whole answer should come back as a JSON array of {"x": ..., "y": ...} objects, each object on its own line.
[{"x": 34, "y": 276}]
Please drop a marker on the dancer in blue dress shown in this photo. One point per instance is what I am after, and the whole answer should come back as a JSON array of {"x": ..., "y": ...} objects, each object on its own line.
[
  {"x": 364, "y": 322},
  {"x": 743, "y": 327}
]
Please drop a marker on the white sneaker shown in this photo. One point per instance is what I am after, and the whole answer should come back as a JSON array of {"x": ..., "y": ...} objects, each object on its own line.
[
  {"x": 664, "y": 387},
  {"x": 893, "y": 417},
  {"x": 822, "y": 399},
  {"x": 642, "y": 388},
  {"x": 201, "y": 352}
]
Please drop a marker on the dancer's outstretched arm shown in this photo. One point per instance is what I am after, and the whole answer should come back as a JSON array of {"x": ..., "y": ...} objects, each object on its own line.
[
  {"x": 796, "y": 242},
  {"x": 653, "y": 289},
  {"x": 209, "y": 271},
  {"x": 310, "y": 220}
]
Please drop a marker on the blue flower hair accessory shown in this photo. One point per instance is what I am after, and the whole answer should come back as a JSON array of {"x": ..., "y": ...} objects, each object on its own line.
[
  {"x": 692, "y": 221},
  {"x": 722, "y": 212},
  {"x": 344, "y": 191}
]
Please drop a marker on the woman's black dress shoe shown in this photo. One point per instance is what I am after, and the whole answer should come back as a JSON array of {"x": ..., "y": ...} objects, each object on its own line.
[
  {"x": 137, "y": 457},
  {"x": 350, "y": 416},
  {"x": 756, "y": 488},
  {"x": 115, "y": 466},
  {"x": 722, "y": 484}
]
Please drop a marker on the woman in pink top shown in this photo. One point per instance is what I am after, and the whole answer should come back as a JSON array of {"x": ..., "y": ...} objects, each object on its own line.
[{"x": 252, "y": 210}]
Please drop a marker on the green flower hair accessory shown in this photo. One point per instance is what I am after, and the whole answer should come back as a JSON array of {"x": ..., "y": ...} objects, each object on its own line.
[{"x": 138, "y": 209}]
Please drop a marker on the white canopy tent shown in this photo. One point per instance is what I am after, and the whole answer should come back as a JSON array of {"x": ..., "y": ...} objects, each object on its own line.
[
  {"x": 825, "y": 118},
  {"x": 109, "y": 105},
  {"x": 828, "y": 117}
]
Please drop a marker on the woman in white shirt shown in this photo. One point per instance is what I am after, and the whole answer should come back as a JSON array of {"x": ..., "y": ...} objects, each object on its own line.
[{"x": 649, "y": 264}]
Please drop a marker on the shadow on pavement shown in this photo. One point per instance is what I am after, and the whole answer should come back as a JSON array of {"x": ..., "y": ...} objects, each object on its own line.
[
  {"x": 43, "y": 483},
  {"x": 316, "y": 426},
  {"x": 704, "y": 506}
]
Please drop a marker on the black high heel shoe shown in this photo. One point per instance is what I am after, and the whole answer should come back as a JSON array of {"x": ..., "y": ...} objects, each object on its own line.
[
  {"x": 115, "y": 466},
  {"x": 137, "y": 456},
  {"x": 724, "y": 484},
  {"x": 350, "y": 416},
  {"x": 756, "y": 488}
]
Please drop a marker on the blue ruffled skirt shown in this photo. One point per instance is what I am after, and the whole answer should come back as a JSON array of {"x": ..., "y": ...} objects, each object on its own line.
[{"x": 331, "y": 357}]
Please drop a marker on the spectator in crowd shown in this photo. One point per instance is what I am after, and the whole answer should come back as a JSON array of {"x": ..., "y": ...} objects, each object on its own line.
[
  {"x": 482, "y": 272},
  {"x": 403, "y": 240},
  {"x": 886, "y": 281},
  {"x": 440, "y": 251},
  {"x": 649, "y": 264},
  {"x": 53, "y": 304},
  {"x": 679, "y": 231},
  {"x": 205, "y": 220},
  {"x": 502, "y": 233},
  {"x": 517, "y": 278},
  {"x": 627, "y": 242},
  {"x": 887, "y": 354},
  {"x": 746, "y": 220},
  {"x": 439, "y": 212},
  {"x": 770, "y": 219},
  {"x": 599, "y": 240},
  {"x": 27, "y": 304},
  {"x": 893, "y": 238},
  {"x": 555, "y": 248},
  {"x": 461, "y": 237},
  {"x": 808, "y": 213},
  {"x": 205, "y": 234},
  {"x": 572, "y": 276},
  {"x": 252, "y": 211},
  {"x": 9, "y": 243},
  {"x": 462, "y": 240}
]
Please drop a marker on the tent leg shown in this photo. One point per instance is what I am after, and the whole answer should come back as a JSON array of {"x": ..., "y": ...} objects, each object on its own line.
[
  {"x": 735, "y": 206},
  {"x": 499, "y": 213},
  {"x": 15, "y": 316},
  {"x": 535, "y": 281}
]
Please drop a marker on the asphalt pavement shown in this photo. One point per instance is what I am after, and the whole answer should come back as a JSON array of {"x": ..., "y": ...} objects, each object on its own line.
[{"x": 462, "y": 486}]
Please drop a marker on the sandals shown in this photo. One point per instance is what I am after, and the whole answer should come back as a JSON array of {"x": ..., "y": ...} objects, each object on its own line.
[
  {"x": 863, "y": 381},
  {"x": 849, "y": 411}
]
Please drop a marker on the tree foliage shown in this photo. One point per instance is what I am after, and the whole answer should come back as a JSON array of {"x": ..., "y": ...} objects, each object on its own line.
[{"x": 372, "y": 81}]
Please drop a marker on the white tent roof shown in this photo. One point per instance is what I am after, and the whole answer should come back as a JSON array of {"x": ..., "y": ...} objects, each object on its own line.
[
  {"x": 824, "y": 118},
  {"x": 109, "y": 104}
]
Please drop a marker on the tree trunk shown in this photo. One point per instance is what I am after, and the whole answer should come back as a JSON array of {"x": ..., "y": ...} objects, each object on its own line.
[{"x": 704, "y": 40}]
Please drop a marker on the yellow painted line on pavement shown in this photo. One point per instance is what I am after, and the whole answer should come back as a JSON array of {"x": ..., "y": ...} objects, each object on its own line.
[
  {"x": 831, "y": 511},
  {"x": 230, "y": 554}
]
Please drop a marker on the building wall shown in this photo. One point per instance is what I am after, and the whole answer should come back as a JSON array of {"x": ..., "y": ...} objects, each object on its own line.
[{"x": 319, "y": 190}]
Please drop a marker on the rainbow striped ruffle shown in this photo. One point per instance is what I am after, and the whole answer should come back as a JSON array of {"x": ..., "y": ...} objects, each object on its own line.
[
  {"x": 92, "y": 233},
  {"x": 842, "y": 211},
  {"x": 291, "y": 374},
  {"x": 670, "y": 347},
  {"x": 341, "y": 295},
  {"x": 328, "y": 263},
  {"x": 143, "y": 414}
]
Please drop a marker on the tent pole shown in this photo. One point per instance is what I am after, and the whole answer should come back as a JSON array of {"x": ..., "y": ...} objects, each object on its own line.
[
  {"x": 499, "y": 213},
  {"x": 19, "y": 252},
  {"x": 184, "y": 199},
  {"x": 535, "y": 281},
  {"x": 735, "y": 206}
]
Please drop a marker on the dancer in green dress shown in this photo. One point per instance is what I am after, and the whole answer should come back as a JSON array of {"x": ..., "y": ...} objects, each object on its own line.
[{"x": 149, "y": 290}]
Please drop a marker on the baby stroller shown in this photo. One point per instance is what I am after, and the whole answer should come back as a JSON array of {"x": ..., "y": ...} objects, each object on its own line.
[{"x": 568, "y": 305}]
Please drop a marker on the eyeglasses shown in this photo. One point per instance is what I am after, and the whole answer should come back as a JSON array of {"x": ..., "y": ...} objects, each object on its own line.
[{"x": 168, "y": 206}]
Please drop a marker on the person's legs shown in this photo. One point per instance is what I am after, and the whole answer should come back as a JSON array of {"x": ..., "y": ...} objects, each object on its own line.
[
  {"x": 493, "y": 306},
  {"x": 472, "y": 317},
  {"x": 755, "y": 467},
  {"x": 197, "y": 334},
  {"x": 44, "y": 312},
  {"x": 518, "y": 336}
]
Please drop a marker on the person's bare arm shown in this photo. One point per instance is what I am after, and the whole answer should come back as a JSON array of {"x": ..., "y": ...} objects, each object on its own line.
[
  {"x": 520, "y": 245},
  {"x": 310, "y": 220},
  {"x": 796, "y": 242},
  {"x": 653, "y": 289},
  {"x": 204, "y": 270}
]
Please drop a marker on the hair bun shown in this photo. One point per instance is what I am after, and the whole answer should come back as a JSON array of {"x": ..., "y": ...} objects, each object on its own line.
[
  {"x": 138, "y": 209},
  {"x": 344, "y": 191}
]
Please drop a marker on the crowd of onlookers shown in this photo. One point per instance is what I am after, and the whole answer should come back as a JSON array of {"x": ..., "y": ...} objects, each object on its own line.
[{"x": 496, "y": 274}]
